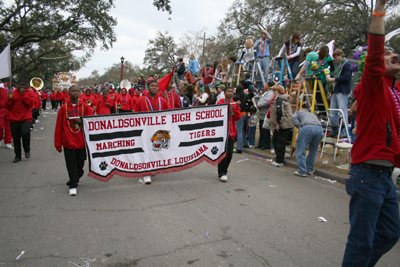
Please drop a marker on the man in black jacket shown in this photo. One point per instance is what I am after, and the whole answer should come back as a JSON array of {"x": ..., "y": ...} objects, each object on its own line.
[{"x": 180, "y": 69}]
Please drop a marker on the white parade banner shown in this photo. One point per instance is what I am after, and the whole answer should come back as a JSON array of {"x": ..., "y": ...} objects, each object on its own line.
[{"x": 151, "y": 143}]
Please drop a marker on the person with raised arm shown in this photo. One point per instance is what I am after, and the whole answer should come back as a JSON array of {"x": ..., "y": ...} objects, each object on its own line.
[{"x": 374, "y": 204}]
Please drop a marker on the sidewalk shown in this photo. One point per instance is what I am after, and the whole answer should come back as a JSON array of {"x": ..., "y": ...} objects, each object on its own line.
[{"x": 324, "y": 170}]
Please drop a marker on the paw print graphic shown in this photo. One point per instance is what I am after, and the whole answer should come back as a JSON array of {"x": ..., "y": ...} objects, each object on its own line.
[
  {"x": 214, "y": 150},
  {"x": 103, "y": 166}
]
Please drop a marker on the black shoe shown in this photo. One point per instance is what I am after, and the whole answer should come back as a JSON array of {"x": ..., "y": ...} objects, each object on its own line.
[
  {"x": 265, "y": 148},
  {"x": 16, "y": 160},
  {"x": 27, "y": 155},
  {"x": 246, "y": 146},
  {"x": 259, "y": 147},
  {"x": 237, "y": 151}
]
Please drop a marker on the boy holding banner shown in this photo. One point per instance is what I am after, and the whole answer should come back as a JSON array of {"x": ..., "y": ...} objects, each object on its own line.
[
  {"x": 234, "y": 115},
  {"x": 68, "y": 134},
  {"x": 151, "y": 102}
]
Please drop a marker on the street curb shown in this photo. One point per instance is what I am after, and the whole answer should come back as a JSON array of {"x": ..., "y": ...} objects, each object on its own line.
[{"x": 339, "y": 179}]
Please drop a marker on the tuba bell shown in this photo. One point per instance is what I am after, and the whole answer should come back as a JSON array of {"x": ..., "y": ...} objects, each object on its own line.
[
  {"x": 89, "y": 102},
  {"x": 125, "y": 84},
  {"x": 37, "y": 83}
]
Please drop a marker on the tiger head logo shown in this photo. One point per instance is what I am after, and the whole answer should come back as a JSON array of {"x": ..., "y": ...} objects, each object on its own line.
[{"x": 160, "y": 140}]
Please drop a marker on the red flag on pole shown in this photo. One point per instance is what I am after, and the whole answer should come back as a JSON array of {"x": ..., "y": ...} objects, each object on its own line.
[{"x": 165, "y": 81}]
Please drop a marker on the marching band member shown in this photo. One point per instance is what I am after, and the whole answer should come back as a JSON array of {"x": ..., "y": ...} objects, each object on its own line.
[
  {"x": 68, "y": 134},
  {"x": 103, "y": 104},
  {"x": 59, "y": 96},
  {"x": 89, "y": 99},
  {"x": 112, "y": 96},
  {"x": 234, "y": 115},
  {"x": 124, "y": 101},
  {"x": 20, "y": 103},
  {"x": 45, "y": 97},
  {"x": 65, "y": 95},
  {"x": 151, "y": 102},
  {"x": 171, "y": 96},
  {"x": 53, "y": 100},
  {"x": 5, "y": 130}
]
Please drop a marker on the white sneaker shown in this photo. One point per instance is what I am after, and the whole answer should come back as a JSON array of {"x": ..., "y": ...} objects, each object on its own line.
[
  {"x": 272, "y": 151},
  {"x": 72, "y": 192},
  {"x": 251, "y": 146},
  {"x": 37, "y": 120},
  {"x": 276, "y": 164},
  {"x": 223, "y": 178},
  {"x": 299, "y": 174},
  {"x": 9, "y": 146},
  {"x": 147, "y": 179}
]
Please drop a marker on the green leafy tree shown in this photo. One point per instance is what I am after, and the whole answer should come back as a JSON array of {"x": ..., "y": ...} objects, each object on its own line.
[
  {"x": 162, "y": 54},
  {"x": 39, "y": 30},
  {"x": 319, "y": 22}
]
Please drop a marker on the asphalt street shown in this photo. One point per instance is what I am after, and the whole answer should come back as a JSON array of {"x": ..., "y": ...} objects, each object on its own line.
[{"x": 263, "y": 216}]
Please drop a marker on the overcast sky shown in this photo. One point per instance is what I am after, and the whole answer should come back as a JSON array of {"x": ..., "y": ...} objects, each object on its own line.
[{"x": 139, "y": 21}]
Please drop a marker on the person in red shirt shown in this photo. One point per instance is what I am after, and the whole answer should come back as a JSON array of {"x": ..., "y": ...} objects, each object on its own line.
[
  {"x": 68, "y": 135},
  {"x": 64, "y": 96},
  {"x": 53, "y": 100},
  {"x": 171, "y": 96},
  {"x": 151, "y": 102},
  {"x": 112, "y": 96},
  {"x": 19, "y": 104},
  {"x": 234, "y": 115},
  {"x": 59, "y": 96},
  {"x": 36, "y": 106},
  {"x": 103, "y": 104},
  {"x": 374, "y": 204},
  {"x": 134, "y": 99},
  {"x": 89, "y": 99},
  {"x": 207, "y": 75},
  {"x": 124, "y": 99},
  {"x": 45, "y": 98},
  {"x": 5, "y": 130}
]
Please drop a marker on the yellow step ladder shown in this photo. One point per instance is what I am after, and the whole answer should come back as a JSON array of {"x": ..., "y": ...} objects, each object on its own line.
[{"x": 315, "y": 84}]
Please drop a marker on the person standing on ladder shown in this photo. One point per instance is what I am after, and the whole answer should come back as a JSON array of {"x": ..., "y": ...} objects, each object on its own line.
[
  {"x": 341, "y": 91},
  {"x": 262, "y": 54},
  {"x": 293, "y": 49}
]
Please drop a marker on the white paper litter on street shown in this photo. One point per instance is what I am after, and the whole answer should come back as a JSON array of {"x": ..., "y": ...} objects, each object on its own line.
[
  {"x": 141, "y": 181},
  {"x": 241, "y": 160},
  {"x": 322, "y": 219},
  {"x": 22, "y": 253}
]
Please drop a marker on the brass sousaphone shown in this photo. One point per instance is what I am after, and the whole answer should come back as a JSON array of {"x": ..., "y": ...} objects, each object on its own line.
[
  {"x": 127, "y": 85},
  {"x": 37, "y": 83}
]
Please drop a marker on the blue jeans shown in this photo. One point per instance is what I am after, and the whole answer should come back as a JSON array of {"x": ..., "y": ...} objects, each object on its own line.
[
  {"x": 241, "y": 135},
  {"x": 180, "y": 77},
  {"x": 309, "y": 135},
  {"x": 264, "y": 64},
  {"x": 252, "y": 135},
  {"x": 374, "y": 216},
  {"x": 339, "y": 101},
  {"x": 294, "y": 68}
]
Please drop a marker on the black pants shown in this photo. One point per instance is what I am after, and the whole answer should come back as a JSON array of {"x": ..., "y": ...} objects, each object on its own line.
[
  {"x": 59, "y": 103},
  {"x": 35, "y": 115},
  {"x": 44, "y": 102},
  {"x": 224, "y": 164},
  {"x": 280, "y": 137},
  {"x": 53, "y": 104},
  {"x": 124, "y": 111},
  {"x": 21, "y": 129},
  {"x": 112, "y": 110},
  {"x": 75, "y": 160},
  {"x": 265, "y": 137}
]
